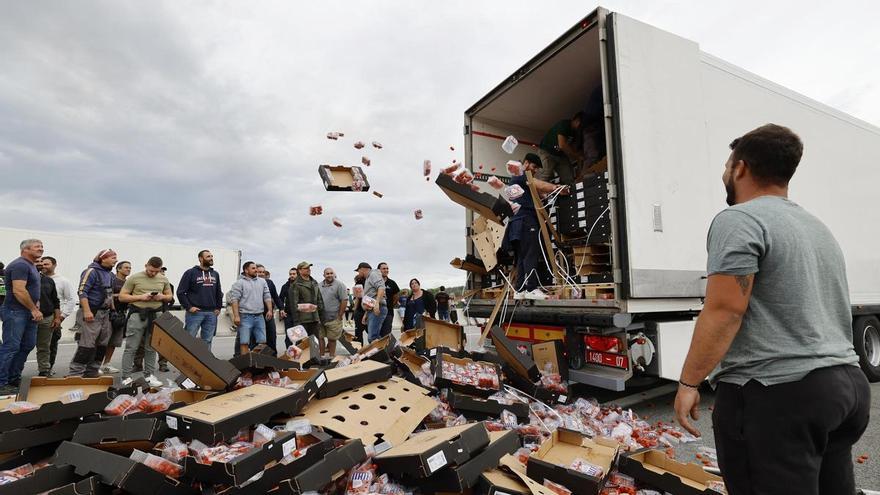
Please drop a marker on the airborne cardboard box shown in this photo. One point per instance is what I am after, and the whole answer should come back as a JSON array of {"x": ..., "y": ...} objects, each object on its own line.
[
  {"x": 23, "y": 438},
  {"x": 122, "y": 435},
  {"x": 41, "y": 481},
  {"x": 330, "y": 468},
  {"x": 121, "y": 472},
  {"x": 243, "y": 467},
  {"x": 457, "y": 479},
  {"x": 497, "y": 482},
  {"x": 481, "y": 408},
  {"x": 494, "y": 208},
  {"x": 191, "y": 355},
  {"x": 423, "y": 454},
  {"x": 446, "y": 382},
  {"x": 553, "y": 459},
  {"x": 654, "y": 468},
  {"x": 98, "y": 393},
  {"x": 221, "y": 417},
  {"x": 339, "y": 178},
  {"x": 354, "y": 375},
  {"x": 517, "y": 361}
]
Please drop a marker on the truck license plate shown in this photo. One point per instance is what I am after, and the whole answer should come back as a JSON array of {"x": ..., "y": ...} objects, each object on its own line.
[{"x": 608, "y": 359}]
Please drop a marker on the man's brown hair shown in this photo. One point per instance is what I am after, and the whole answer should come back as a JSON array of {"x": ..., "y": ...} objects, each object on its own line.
[
  {"x": 155, "y": 262},
  {"x": 772, "y": 153}
]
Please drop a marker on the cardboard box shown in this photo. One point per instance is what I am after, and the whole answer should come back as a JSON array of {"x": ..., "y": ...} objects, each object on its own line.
[
  {"x": 121, "y": 435},
  {"x": 348, "y": 343},
  {"x": 411, "y": 338},
  {"x": 384, "y": 346},
  {"x": 553, "y": 353},
  {"x": 518, "y": 470},
  {"x": 334, "y": 465},
  {"x": 340, "y": 178},
  {"x": 459, "y": 478},
  {"x": 121, "y": 472},
  {"x": 410, "y": 365},
  {"x": 497, "y": 482},
  {"x": 221, "y": 417},
  {"x": 47, "y": 391},
  {"x": 441, "y": 382},
  {"x": 379, "y": 412},
  {"x": 242, "y": 468},
  {"x": 191, "y": 355},
  {"x": 317, "y": 444},
  {"x": 259, "y": 362},
  {"x": 423, "y": 454},
  {"x": 32, "y": 455},
  {"x": 440, "y": 334},
  {"x": 41, "y": 481},
  {"x": 89, "y": 486},
  {"x": 492, "y": 207},
  {"x": 23, "y": 438},
  {"x": 310, "y": 381},
  {"x": 470, "y": 264},
  {"x": 654, "y": 468},
  {"x": 482, "y": 408},
  {"x": 545, "y": 395},
  {"x": 355, "y": 375},
  {"x": 310, "y": 353},
  {"x": 553, "y": 459},
  {"x": 516, "y": 360}
]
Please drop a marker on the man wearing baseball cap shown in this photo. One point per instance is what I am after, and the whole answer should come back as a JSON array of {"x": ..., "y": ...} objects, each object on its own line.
[
  {"x": 95, "y": 293},
  {"x": 374, "y": 288},
  {"x": 306, "y": 302}
]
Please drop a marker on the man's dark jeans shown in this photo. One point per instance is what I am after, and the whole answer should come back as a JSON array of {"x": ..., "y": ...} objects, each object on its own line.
[{"x": 19, "y": 339}]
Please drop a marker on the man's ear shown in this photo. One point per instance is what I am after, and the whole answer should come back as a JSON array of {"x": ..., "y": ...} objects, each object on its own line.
[{"x": 739, "y": 172}]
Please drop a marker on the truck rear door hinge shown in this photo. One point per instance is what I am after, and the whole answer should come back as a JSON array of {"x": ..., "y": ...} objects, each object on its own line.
[
  {"x": 467, "y": 129},
  {"x": 612, "y": 191},
  {"x": 608, "y": 111},
  {"x": 603, "y": 34},
  {"x": 618, "y": 276}
]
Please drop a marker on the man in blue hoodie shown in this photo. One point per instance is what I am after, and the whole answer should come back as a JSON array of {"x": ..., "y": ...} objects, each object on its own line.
[
  {"x": 200, "y": 295},
  {"x": 95, "y": 293}
]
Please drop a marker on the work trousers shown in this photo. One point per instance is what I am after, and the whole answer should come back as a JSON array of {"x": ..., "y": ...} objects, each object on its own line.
[
  {"x": 92, "y": 334},
  {"x": 792, "y": 437},
  {"x": 136, "y": 333},
  {"x": 530, "y": 265},
  {"x": 44, "y": 344}
]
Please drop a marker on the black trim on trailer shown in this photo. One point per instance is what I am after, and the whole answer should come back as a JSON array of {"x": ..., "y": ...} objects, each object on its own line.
[
  {"x": 617, "y": 152},
  {"x": 585, "y": 25},
  {"x": 865, "y": 309}
]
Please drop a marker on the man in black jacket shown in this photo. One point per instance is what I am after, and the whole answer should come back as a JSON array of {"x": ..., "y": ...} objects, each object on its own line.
[
  {"x": 284, "y": 306},
  {"x": 50, "y": 306},
  {"x": 200, "y": 295},
  {"x": 271, "y": 330}
]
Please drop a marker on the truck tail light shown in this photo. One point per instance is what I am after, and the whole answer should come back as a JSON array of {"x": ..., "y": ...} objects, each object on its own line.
[{"x": 601, "y": 343}]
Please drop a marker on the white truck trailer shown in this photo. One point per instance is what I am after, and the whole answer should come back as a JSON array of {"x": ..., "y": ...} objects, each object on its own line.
[{"x": 670, "y": 111}]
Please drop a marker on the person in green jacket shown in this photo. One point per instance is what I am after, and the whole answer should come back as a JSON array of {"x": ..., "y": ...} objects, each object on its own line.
[{"x": 305, "y": 291}]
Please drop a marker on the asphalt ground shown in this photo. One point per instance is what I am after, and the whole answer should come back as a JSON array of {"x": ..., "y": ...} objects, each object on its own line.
[{"x": 651, "y": 400}]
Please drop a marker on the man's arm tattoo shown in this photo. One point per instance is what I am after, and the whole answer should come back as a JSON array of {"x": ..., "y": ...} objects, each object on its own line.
[{"x": 744, "y": 283}]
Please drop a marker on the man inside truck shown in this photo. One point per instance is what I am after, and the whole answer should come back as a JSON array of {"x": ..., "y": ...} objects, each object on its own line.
[
  {"x": 559, "y": 150},
  {"x": 523, "y": 231},
  {"x": 774, "y": 336}
]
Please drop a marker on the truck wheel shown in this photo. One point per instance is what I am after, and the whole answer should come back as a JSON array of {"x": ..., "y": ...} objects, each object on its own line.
[
  {"x": 574, "y": 346},
  {"x": 866, "y": 340}
]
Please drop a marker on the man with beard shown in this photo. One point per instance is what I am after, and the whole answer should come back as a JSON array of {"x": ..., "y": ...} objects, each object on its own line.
[
  {"x": 201, "y": 297},
  {"x": 775, "y": 336},
  {"x": 20, "y": 314},
  {"x": 392, "y": 296},
  {"x": 271, "y": 330},
  {"x": 284, "y": 308},
  {"x": 50, "y": 306},
  {"x": 305, "y": 291},
  {"x": 67, "y": 298},
  {"x": 105, "y": 354},
  {"x": 95, "y": 302}
]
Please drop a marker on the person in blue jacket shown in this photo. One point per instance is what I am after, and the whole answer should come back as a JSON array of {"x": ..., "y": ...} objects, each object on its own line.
[{"x": 200, "y": 295}]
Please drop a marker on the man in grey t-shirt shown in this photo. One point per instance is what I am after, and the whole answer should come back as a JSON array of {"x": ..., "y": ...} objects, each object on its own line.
[
  {"x": 374, "y": 287},
  {"x": 775, "y": 334}
]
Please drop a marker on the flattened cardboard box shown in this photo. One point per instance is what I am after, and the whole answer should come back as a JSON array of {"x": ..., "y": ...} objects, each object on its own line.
[
  {"x": 441, "y": 382},
  {"x": 41, "y": 481},
  {"x": 122, "y": 436},
  {"x": 379, "y": 412},
  {"x": 519, "y": 362},
  {"x": 482, "y": 408},
  {"x": 23, "y": 438},
  {"x": 334, "y": 464},
  {"x": 98, "y": 393},
  {"x": 354, "y": 375},
  {"x": 191, "y": 355},
  {"x": 497, "y": 482},
  {"x": 553, "y": 459},
  {"x": 221, "y": 417},
  {"x": 242, "y": 468},
  {"x": 121, "y": 472},
  {"x": 340, "y": 178},
  {"x": 654, "y": 468},
  {"x": 423, "y": 454},
  {"x": 457, "y": 479},
  {"x": 494, "y": 208}
]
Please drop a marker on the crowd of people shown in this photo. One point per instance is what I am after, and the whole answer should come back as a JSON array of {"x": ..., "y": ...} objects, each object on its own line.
[{"x": 118, "y": 307}]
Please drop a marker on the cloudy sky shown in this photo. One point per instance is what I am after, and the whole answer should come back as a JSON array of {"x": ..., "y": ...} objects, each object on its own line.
[{"x": 204, "y": 122}]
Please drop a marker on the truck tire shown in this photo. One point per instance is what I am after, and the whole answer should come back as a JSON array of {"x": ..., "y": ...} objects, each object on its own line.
[
  {"x": 866, "y": 340},
  {"x": 574, "y": 346}
]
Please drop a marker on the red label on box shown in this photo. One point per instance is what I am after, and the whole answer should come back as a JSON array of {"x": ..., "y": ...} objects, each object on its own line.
[{"x": 608, "y": 359}]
